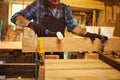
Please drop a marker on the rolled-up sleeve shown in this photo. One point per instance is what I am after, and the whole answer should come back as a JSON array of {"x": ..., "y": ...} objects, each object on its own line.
[
  {"x": 29, "y": 12},
  {"x": 14, "y": 16},
  {"x": 70, "y": 23}
]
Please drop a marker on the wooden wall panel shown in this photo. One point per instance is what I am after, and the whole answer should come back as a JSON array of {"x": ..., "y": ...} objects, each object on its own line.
[
  {"x": 4, "y": 7},
  {"x": 91, "y": 4},
  {"x": 118, "y": 25}
]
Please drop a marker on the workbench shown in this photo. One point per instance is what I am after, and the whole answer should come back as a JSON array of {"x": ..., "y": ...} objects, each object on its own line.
[
  {"x": 79, "y": 69},
  {"x": 71, "y": 69}
]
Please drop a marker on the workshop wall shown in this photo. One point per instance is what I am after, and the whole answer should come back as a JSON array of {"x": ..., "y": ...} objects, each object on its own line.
[{"x": 4, "y": 11}]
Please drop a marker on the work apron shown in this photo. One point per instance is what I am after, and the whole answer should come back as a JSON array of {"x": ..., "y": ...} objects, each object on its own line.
[{"x": 54, "y": 24}]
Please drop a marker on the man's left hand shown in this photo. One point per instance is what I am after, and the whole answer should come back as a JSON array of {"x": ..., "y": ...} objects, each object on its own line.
[{"x": 92, "y": 36}]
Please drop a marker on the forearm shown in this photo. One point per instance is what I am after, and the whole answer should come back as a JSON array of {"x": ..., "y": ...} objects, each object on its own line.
[
  {"x": 79, "y": 31},
  {"x": 21, "y": 21}
]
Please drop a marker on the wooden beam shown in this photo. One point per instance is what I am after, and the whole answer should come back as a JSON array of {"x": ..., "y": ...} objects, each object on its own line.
[
  {"x": 29, "y": 44},
  {"x": 10, "y": 45},
  {"x": 71, "y": 44},
  {"x": 66, "y": 44},
  {"x": 94, "y": 18}
]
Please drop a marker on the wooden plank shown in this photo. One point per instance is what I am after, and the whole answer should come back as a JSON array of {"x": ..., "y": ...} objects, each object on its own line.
[
  {"x": 114, "y": 12},
  {"x": 66, "y": 44},
  {"x": 75, "y": 64},
  {"x": 118, "y": 25},
  {"x": 30, "y": 44},
  {"x": 101, "y": 18},
  {"x": 92, "y": 74},
  {"x": 117, "y": 60},
  {"x": 71, "y": 44},
  {"x": 41, "y": 73},
  {"x": 91, "y": 56},
  {"x": 10, "y": 45},
  {"x": 113, "y": 44},
  {"x": 107, "y": 15},
  {"x": 94, "y": 18},
  {"x": 84, "y": 69}
]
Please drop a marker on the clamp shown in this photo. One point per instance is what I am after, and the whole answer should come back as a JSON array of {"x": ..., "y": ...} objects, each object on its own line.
[{"x": 103, "y": 40}]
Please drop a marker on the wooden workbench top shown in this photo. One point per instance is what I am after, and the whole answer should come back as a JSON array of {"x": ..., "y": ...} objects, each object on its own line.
[{"x": 79, "y": 69}]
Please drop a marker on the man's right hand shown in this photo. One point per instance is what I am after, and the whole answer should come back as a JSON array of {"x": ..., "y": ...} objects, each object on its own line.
[
  {"x": 38, "y": 28},
  {"x": 21, "y": 21}
]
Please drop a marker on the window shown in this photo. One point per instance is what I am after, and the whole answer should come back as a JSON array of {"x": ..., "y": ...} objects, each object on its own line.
[{"x": 17, "y": 7}]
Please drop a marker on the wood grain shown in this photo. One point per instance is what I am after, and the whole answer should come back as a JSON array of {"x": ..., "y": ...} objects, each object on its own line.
[
  {"x": 112, "y": 44},
  {"x": 10, "y": 45},
  {"x": 29, "y": 44},
  {"x": 72, "y": 44},
  {"x": 66, "y": 44},
  {"x": 79, "y": 69}
]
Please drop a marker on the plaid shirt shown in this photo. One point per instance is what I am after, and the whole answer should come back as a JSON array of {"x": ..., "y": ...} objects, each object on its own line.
[{"x": 36, "y": 12}]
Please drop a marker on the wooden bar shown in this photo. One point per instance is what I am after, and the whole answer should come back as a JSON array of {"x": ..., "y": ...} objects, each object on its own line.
[
  {"x": 66, "y": 44},
  {"x": 10, "y": 45},
  {"x": 71, "y": 44}
]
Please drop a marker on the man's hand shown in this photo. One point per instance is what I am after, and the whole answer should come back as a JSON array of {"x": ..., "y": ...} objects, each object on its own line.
[
  {"x": 38, "y": 28},
  {"x": 21, "y": 21},
  {"x": 92, "y": 36}
]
